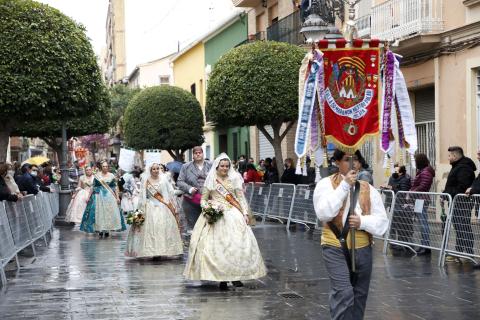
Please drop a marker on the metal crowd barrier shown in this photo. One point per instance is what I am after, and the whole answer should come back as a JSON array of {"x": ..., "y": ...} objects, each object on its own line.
[
  {"x": 280, "y": 202},
  {"x": 248, "y": 187},
  {"x": 302, "y": 208},
  {"x": 463, "y": 229},
  {"x": 259, "y": 199},
  {"x": 417, "y": 220},
  {"x": 22, "y": 223},
  {"x": 387, "y": 199}
]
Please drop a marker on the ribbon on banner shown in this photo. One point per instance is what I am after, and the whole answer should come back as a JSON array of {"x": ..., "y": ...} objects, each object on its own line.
[
  {"x": 387, "y": 102},
  {"x": 306, "y": 113}
]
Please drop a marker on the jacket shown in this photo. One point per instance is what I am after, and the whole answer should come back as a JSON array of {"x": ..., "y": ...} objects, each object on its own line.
[
  {"x": 401, "y": 183},
  {"x": 289, "y": 176},
  {"x": 475, "y": 185},
  {"x": 423, "y": 180},
  {"x": 251, "y": 176},
  {"x": 5, "y": 193},
  {"x": 26, "y": 182},
  {"x": 191, "y": 177},
  {"x": 460, "y": 177}
]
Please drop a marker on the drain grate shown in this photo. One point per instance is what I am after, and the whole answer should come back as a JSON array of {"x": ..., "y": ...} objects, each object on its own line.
[{"x": 290, "y": 295}]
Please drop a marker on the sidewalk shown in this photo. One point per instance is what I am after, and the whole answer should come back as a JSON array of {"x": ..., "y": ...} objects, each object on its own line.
[{"x": 81, "y": 277}]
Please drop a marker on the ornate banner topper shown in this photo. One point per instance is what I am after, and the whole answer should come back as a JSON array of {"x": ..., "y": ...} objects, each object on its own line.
[{"x": 351, "y": 95}]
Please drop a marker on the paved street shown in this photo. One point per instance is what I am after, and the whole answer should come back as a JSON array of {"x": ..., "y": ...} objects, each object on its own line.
[{"x": 80, "y": 277}]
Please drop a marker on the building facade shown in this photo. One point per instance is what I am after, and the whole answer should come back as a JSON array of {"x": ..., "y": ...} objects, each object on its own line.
[
  {"x": 153, "y": 73},
  {"x": 113, "y": 61}
]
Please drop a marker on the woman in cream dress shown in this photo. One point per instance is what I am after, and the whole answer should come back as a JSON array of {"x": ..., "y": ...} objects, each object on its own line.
[
  {"x": 159, "y": 235},
  {"x": 77, "y": 205},
  {"x": 226, "y": 250}
]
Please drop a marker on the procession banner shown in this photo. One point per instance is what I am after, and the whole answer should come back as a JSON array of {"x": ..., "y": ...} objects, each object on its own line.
[
  {"x": 152, "y": 156},
  {"x": 126, "y": 161},
  {"x": 351, "y": 95}
]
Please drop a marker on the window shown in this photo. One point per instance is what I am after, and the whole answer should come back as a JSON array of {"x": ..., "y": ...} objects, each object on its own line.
[
  {"x": 207, "y": 152},
  {"x": 193, "y": 89},
  {"x": 164, "y": 80}
]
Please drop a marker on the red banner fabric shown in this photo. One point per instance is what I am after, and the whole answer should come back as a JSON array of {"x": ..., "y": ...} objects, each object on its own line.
[{"x": 351, "y": 95}]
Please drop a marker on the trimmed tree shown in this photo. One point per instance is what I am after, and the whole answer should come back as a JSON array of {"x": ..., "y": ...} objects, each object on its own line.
[
  {"x": 164, "y": 117},
  {"x": 256, "y": 84},
  {"x": 98, "y": 121},
  {"x": 49, "y": 70}
]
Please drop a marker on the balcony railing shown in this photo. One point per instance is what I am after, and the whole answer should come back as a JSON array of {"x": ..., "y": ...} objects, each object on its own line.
[
  {"x": 287, "y": 29},
  {"x": 364, "y": 26},
  {"x": 401, "y": 19}
]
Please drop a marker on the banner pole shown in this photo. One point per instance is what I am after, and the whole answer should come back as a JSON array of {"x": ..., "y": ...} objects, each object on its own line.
[{"x": 352, "y": 229}]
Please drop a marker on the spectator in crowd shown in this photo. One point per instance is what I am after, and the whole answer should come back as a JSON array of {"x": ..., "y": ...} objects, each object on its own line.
[
  {"x": 289, "y": 175},
  {"x": 475, "y": 187},
  {"x": 26, "y": 182},
  {"x": 48, "y": 173},
  {"x": 459, "y": 179},
  {"x": 251, "y": 175},
  {"x": 251, "y": 160},
  {"x": 5, "y": 192},
  {"x": 242, "y": 164},
  {"x": 17, "y": 170},
  {"x": 402, "y": 220},
  {"x": 10, "y": 180},
  {"x": 39, "y": 179},
  {"x": 261, "y": 165},
  {"x": 271, "y": 173},
  {"x": 310, "y": 177},
  {"x": 364, "y": 172},
  {"x": 422, "y": 183}
]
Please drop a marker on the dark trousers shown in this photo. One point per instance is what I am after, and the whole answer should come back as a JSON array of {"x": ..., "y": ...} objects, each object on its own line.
[
  {"x": 462, "y": 222},
  {"x": 348, "y": 302},
  {"x": 192, "y": 212},
  {"x": 402, "y": 224}
]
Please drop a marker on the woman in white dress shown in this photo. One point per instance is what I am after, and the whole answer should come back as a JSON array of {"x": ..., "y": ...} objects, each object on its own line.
[
  {"x": 226, "y": 250},
  {"x": 77, "y": 205},
  {"x": 159, "y": 235},
  {"x": 130, "y": 194}
]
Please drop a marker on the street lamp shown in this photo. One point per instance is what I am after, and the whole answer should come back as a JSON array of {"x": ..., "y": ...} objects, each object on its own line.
[{"x": 314, "y": 28}]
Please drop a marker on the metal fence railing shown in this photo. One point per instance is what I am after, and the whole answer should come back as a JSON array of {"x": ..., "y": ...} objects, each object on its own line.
[
  {"x": 417, "y": 220},
  {"x": 259, "y": 199},
  {"x": 22, "y": 223},
  {"x": 463, "y": 229},
  {"x": 280, "y": 201},
  {"x": 387, "y": 199},
  {"x": 302, "y": 211}
]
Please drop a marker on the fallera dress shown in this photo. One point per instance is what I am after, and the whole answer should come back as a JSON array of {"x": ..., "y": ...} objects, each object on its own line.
[
  {"x": 159, "y": 235},
  {"x": 102, "y": 213},
  {"x": 226, "y": 250},
  {"x": 77, "y": 205}
]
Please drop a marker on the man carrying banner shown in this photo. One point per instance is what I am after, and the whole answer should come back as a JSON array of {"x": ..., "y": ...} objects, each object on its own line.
[{"x": 348, "y": 290}]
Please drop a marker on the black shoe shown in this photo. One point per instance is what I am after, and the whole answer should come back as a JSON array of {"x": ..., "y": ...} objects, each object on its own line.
[
  {"x": 237, "y": 284},
  {"x": 223, "y": 286},
  {"x": 424, "y": 252},
  {"x": 107, "y": 234},
  {"x": 101, "y": 235}
]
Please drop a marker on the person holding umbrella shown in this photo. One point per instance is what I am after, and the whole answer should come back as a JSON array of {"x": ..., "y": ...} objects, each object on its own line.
[{"x": 331, "y": 200}]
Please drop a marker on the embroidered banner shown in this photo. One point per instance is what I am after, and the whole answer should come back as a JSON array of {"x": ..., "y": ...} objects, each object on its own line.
[{"x": 351, "y": 95}]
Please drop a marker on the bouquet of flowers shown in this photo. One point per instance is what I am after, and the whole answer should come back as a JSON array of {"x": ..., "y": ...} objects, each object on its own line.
[
  {"x": 136, "y": 218},
  {"x": 212, "y": 212}
]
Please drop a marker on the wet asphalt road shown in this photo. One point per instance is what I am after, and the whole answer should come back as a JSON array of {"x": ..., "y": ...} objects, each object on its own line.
[{"x": 78, "y": 276}]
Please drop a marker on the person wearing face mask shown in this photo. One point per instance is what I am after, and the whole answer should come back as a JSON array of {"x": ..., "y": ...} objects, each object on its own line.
[
  {"x": 225, "y": 250},
  {"x": 39, "y": 179},
  {"x": 26, "y": 182},
  {"x": 5, "y": 192},
  {"x": 159, "y": 235}
]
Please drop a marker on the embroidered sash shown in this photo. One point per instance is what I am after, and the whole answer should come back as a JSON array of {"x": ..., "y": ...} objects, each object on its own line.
[
  {"x": 152, "y": 191},
  {"x": 106, "y": 186},
  {"x": 228, "y": 196}
]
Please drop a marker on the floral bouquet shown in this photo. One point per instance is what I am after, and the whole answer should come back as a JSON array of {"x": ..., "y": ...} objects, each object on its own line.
[
  {"x": 212, "y": 212},
  {"x": 136, "y": 218}
]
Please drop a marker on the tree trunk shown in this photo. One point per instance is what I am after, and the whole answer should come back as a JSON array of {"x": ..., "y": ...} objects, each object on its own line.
[
  {"x": 5, "y": 130},
  {"x": 173, "y": 154},
  {"x": 276, "y": 142}
]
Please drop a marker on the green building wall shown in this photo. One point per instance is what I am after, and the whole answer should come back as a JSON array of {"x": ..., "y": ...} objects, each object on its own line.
[{"x": 235, "y": 141}]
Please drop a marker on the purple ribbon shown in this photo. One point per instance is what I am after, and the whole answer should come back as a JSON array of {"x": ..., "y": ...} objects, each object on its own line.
[{"x": 389, "y": 76}]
